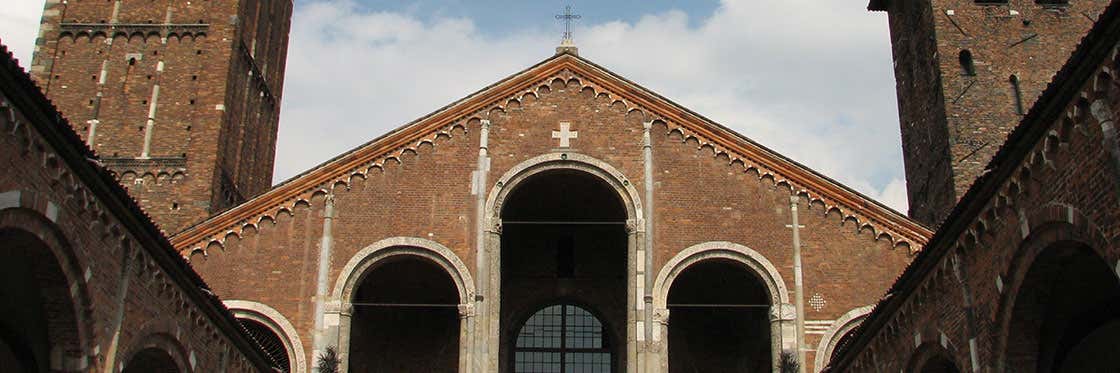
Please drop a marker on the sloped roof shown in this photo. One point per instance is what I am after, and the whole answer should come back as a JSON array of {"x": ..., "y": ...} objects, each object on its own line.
[{"x": 851, "y": 205}]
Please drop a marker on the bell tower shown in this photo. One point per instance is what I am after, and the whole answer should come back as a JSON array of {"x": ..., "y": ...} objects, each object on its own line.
[
  {"x": 179, "y": 98},
  {"x": 966, "y": 72}
]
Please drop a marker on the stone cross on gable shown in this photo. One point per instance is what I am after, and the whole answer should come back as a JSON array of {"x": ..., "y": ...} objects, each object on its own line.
[{"x": 565, "y": 134}]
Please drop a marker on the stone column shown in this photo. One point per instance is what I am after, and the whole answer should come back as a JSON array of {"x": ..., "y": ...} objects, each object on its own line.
[
  {"x": 337, "y": 329},
  {"x": 783, "y": 332},
  {"x": 466, "y": 317}
]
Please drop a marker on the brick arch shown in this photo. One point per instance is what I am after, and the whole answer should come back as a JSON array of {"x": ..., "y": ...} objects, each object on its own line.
[
  {"x": 275, "y": 321},
  {"x": 162, "y": 340},
  {"x": 927, "y": 352},
  {"x": 841, "y": 327},
  {"x": 1050, "y": 226},
  {"x": 32, "y": 214}
]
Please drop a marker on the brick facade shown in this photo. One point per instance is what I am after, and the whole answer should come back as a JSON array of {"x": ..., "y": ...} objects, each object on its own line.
[
  {"x": 1020, "y": 275},
  {"x": 954, "y": 62},
  {"x": 205, "y": 76},
  {"x": 90, "y": 284},
  {"x": 710, "y": 186}
]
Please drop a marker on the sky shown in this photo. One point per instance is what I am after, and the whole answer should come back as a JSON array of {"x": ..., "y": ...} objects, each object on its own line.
[{"x": 811, "y": 79}]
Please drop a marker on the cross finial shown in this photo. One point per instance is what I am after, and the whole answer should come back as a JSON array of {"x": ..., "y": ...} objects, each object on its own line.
[{"x": 568, "y": 17}]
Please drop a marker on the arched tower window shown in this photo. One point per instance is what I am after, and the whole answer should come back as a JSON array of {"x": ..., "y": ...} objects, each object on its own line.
[
  {"x": 968, "y": 68},
  {"x": 1017, "y": 94},
  {"x": 562, "y": 338}
]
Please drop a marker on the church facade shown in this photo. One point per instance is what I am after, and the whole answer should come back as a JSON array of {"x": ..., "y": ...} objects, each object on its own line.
[{"x": 561, "y": 219}]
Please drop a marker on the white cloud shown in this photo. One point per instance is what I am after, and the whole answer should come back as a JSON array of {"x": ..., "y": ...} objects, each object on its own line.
[
  {"x": 19, "y": 25},
  {"x": 810, "y": 79}
]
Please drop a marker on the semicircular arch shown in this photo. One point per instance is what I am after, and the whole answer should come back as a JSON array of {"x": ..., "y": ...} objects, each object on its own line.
[
  {"x": 373, "y": 255},
  {"x": 509, "y": 181},
  {"x": 841, "y": 327},
  {"x": 275, "y": 321},
  {"x": 719, "y": 250}
]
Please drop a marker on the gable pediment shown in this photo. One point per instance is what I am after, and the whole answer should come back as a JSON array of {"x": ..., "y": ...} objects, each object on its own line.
[{"x": 744, "y": 155}]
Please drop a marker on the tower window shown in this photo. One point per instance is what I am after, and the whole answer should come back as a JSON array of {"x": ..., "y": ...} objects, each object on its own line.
[
  {"x": 1017, "y": 94},
  {"x": 968, "y": 68}
]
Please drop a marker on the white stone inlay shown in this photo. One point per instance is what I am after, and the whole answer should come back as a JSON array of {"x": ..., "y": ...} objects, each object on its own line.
[{"x": 565, "y": 134}]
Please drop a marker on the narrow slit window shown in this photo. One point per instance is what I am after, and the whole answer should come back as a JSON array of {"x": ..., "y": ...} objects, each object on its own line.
[
  {"x": 968, "y": 67},
  {"x": 1017, "y": 94}
]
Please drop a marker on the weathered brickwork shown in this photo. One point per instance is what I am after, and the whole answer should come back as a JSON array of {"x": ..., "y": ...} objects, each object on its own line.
[
  {"x": 973, "y": 298},
  {"x": 954, "y": 63},
  {"x": 111, "y": 288},
  {"x": 703, "y": 192},
  {"x": 180, "y": 99}
]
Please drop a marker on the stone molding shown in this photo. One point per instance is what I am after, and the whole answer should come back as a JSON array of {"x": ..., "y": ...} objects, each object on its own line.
[
  {"x": 366, "y": 259},
  {"x": 565, "y": 161},
  {"x": 846, "y": 323},
  {"x": 279, "y": 324},
  {"x": 716, "y": 250}
]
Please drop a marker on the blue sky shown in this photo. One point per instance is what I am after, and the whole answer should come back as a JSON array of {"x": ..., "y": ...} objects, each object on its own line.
[
  {"x": 496, "y": 17},
  {"x": 811, "y": 79}
]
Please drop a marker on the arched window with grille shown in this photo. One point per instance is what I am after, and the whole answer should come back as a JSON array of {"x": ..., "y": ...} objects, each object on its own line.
[{"x": 563, "y": 338}]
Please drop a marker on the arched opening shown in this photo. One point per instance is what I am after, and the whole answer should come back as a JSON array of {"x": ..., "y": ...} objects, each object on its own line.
[
  {"x": 939, "y": 364},
  {"x": 564, "y": 241},
  {"x": 270, "y": 342},
  {"x": 1017, "y": 94},
  {"x": 37, "y": 313},
  {"x": 719, "y": 319},
  {"x": 968, "y": 67},
  {"x": 151, "y": 360},
  {"x": 405, "y": 318},
  {"x": 562, "y": 338},
  {"x": 1066, "y": 316}
]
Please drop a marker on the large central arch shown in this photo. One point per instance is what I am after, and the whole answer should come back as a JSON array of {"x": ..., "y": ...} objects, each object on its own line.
[{"x": 489, "y": 338}]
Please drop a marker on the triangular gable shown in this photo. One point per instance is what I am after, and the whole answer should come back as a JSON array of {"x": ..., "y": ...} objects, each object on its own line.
[{"x": 819, "y": 190}]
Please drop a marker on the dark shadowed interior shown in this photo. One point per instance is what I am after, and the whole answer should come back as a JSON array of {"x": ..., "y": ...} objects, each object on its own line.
[
  {"x": 36, "y": 311},
  {"x": 719, "y": 320},
  {"x": 151, "y": 360},
  {"x": 405, "y": 319},
  {"x": 1067, "y": 314}
]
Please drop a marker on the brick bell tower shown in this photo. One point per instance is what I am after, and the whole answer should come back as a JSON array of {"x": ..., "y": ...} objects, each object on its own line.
[
  {"x": 180, "y": 98},
  {"x": 967, "y": 71}
]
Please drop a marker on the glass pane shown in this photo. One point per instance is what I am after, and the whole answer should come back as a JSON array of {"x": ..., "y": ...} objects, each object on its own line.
[
  {"x": 542, "y": 330},
  {"x": 587, "y": 362},
  {"x": 536, "y": 362},
  {"x": 584, "y": 330}
]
